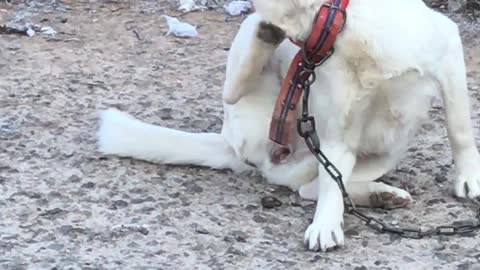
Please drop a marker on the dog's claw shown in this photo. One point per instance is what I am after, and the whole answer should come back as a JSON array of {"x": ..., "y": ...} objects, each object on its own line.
[
  {"x": 468, "y": 185},
  {"x": 323, "y": 237}
]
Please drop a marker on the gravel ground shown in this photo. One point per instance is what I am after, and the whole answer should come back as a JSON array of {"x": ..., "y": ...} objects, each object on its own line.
[{"x": 64, "y": 206}]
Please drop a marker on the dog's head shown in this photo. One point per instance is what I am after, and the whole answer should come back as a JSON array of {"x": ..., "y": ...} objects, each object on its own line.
[{"x": 295, "y": 17}]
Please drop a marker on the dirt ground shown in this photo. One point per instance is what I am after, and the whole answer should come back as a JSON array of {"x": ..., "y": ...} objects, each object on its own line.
[{"x": 65, "y": 206}]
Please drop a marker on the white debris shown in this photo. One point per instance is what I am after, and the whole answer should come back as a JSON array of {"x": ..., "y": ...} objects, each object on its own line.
[
  {"x": 47, "y": 30},
  {"x": 30, "y": 32},
  {"x": 31, "y": 29},
  {"x": 180, "y": 29},
  {"x": 188, "y": 5},
  {"x": 236, "y": 8}
]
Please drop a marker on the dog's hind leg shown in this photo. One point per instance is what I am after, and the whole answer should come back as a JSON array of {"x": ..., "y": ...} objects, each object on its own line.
[
  {"x": 378, "y": 195},
  {"x": 367, "y": 194},
  {"x": 363, "y": 190},
  {"x": 121, "y": 134},
  {"x": 251, "y": 50},
  {"x": 453, "y": 83}
]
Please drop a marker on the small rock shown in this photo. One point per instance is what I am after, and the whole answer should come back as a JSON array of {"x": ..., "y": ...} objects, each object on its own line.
[
  {"x": 142, "y": 200},
  {"x": 200, "y": 230},
  {"x": 408, "y": 259},
  {"x": 119, "y": 204},
  {"x": 133, "y": 245},
  {"x": 455, "y": 246},
  {"x": 192, "y": 187},
  {"x": 65, "y": 229},
  {"x": 52, "y": 212},
  {"x": 70, "y": 230},
  {"x": 270, "y": 202},
  {"x": 456, "y": 5},
  {"x": 235, "y": 251},
  {"x": 74, "y": 179},
  {"x": 165, "y": 114},
  {"x": 88, "y": 185},
  {"x": 440, "y": 179},
  {"x": 433, "y": 202},
  {"x": 240, "y": 236},
  {"x": 153, "y": 243},
  {"x": 259, "y": 219},
  {"x": 9, "y": 236},
  {"x": 200, "y": 125},
  {"x": 352, "y": 232},
  {"x": 464, "y": 266},
  {"x": 56, "y": 246},
  {"x": 442, "y": 256},
  {"x": 174, "y": 195},
  {"x": 240, "y": 239},
  {"x": 125, "y": 229}
]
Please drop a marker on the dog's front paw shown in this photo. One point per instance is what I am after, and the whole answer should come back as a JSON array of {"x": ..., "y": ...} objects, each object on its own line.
[
  {"x": 468, "y": 183},
  {"x": 324, "y": 236}
]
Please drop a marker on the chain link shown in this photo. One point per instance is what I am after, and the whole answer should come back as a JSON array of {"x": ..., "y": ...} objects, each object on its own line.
[{"x": 306, "y": 129}]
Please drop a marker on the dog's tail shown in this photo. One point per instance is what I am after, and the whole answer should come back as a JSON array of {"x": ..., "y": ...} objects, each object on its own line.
[{"x": 123, "y": 135}]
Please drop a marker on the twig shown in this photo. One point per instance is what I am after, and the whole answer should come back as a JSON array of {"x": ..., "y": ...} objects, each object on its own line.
[
  {"x": 8, "y": 30},
  {"x": 137, "y": 34}
]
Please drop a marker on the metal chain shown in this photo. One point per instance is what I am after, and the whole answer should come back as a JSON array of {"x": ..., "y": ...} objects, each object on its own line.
[{"x": 306, "y": 129}]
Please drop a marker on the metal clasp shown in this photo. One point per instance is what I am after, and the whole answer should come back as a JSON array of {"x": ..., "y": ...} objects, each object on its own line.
[{"x": 306, "y": 126}]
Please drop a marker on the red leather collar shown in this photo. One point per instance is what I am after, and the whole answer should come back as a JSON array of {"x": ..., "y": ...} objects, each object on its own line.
[{"x": 314, "y": 51}]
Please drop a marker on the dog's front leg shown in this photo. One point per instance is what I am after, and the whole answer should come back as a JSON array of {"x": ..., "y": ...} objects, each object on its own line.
[
  {"x": 326, "y": 232},
  {"x": 460, "y": 132}
]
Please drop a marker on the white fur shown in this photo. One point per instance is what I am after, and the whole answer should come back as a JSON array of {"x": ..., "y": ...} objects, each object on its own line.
[
  {"x": 392, "y": 57},
  {"x": 123, "y": 135},
  {"x": 369, "y": 100}
]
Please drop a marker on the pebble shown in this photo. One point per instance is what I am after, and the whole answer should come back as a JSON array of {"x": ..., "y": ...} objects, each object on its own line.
[
  {"x": 56, "y": 246},
  {"x": 440, "y": 179},
  {"x": 259, "y": 219},
  {"x": 165, "y": 114},
  {"x": 142, "y": 200},
  {"x": 270, "y": 202},
  {"x": 88, "y": 185},
  {"x": 200, "y": 230},
  {"x": 118, "y": 204},
  {"x": 52, "y": 212},
  {"x": 124, "y": 229}
]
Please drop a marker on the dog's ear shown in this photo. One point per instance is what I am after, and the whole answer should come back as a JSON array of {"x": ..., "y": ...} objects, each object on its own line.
[
  {"x": 254, "y": 56},
  {"x": 295, "y": 17}
]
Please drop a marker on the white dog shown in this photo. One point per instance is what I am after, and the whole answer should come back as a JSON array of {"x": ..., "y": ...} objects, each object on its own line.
[{"x": 369, "y": 99}]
